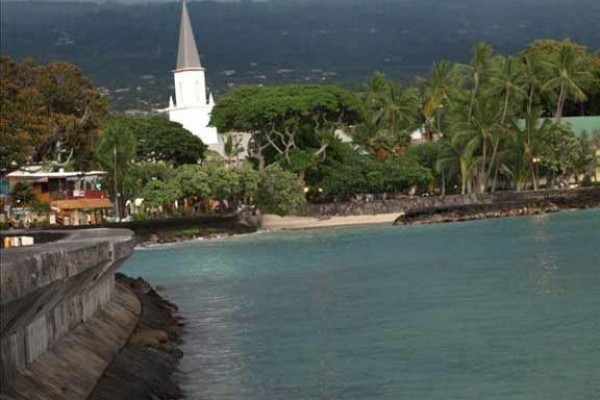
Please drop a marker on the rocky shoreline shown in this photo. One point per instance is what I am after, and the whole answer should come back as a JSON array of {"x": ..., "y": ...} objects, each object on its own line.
[
  {"x": 145, "y": 369},
  {"x": 191, "y": 235},
  {"x": 483, "y": 211}
]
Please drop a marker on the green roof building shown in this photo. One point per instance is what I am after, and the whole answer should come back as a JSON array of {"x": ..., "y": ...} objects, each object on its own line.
[{"x": 580, "y": 125}]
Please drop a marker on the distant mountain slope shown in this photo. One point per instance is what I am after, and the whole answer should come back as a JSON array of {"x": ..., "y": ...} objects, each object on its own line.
[{"x": 131, "y": 49}]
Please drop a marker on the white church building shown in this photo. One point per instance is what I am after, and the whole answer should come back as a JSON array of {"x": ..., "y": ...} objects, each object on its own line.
[{"x": 192, "y": 105}]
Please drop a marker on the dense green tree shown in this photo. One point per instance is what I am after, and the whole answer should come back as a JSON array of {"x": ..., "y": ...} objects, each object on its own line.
[
  {"x": 23, "y": 194},
  {"x": 276, "y": 116},
  {"x": 159, "y": 139},
  {"x": 193, "y": 181},
  {"x": 141, "y": 173},
  {"x": 49, "y": 113},
  {"x": 160, "y": 194},
  {"x": 235, "y": 112},
  {"x": 279, "y": 192},
  {"x": 249, "y": 185},
  {"x": 223, "y": 182},
  {"x": 366, "y": 174},
  {"x": 560, "y": 153}
]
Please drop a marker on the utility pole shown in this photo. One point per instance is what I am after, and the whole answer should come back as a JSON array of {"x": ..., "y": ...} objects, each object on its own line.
[{"x": 116, "y": 187}]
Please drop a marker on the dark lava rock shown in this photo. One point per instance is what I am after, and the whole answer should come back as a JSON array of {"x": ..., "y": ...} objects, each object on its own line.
[{"x": 145, "y": 367}]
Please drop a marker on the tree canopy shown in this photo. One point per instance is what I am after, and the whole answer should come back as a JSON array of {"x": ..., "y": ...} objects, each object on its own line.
[
  {"x": 162, "y": 140},
  {"x": 276, "y": 117},
  {"x": 50, "y": 113}
]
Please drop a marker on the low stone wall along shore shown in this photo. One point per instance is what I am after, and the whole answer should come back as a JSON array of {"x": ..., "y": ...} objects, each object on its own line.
[{"x": 52, "y": 293}]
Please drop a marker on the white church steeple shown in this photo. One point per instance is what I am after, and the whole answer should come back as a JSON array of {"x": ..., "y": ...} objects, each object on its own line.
[
  {"x": 187, "y": 53},
  {"x": 191, "y": 107}
]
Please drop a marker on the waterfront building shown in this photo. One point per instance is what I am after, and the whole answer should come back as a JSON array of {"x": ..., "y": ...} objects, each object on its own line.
[
  {"x": 72, "y": 198},
  {"x": 192, "y": 105}
]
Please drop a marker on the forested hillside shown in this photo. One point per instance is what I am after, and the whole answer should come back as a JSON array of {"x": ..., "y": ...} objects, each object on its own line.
[{"x": 130, "y": 49}]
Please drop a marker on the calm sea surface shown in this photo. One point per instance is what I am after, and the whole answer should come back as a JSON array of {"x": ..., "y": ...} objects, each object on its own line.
[{"x": 496, "y": 309}]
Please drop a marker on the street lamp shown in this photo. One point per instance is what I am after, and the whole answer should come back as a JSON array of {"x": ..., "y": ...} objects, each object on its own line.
[{"x": 536, "y": 161}]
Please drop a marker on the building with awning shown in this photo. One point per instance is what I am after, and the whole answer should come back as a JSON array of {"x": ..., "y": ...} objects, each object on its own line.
[{"x": 73, "y": 197}]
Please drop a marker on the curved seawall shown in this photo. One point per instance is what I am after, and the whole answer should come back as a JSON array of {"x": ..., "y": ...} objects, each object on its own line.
[{"x": 62, "y": 317}]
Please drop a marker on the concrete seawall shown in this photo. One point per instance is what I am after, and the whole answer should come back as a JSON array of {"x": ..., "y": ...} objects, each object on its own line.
[{"x": 53, "y": 291}]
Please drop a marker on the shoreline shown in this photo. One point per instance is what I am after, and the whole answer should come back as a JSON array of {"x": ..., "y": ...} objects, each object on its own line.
[
  {"x": 292, "y": 223},
  {"x": 398, "y": 211},
  {"x": 273, "y": 222},
  {"x": 146, "y": 366},
  {"x": 276, "y": 223}
]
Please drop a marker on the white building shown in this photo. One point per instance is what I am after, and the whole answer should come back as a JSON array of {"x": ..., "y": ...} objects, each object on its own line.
[{"x": 192, "y": 107}]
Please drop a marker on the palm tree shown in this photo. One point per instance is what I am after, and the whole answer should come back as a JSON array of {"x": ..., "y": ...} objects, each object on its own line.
[
  {"x": 476, "y": 136},
  {"x": 467, "y": 146},
  {"x": 373, "y": 138},
  {"x": 22, "y": 194},
  {"x": 436, "y": 91},
  {"x": 232, "y": 148},
  {"x": 391, "y": 111},
  {"x": 525, "y": 148},
  {"x": 395, "y": 109},
  {"x": 448, "y": 163},
  {"x": 506, "y": 84},
  {"x": 507, "y": 81},
  {"x": 532, "y": 70},
  {"x": 478, "y": 70},
  {"x": 115, "y": 152},
  {"x": 569, "y": 71}
]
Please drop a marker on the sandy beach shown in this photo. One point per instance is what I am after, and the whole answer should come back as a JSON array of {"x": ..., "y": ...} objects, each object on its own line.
[{"x": 271, "y": 221}]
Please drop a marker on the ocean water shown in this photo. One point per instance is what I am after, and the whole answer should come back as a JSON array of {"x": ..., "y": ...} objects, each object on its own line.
[{"x": 495, "y": 309}]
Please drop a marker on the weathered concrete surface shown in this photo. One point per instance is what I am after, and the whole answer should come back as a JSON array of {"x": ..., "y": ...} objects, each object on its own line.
[
  {"x": 48, "y": 290},
  {"x": 71, "y": 369}
]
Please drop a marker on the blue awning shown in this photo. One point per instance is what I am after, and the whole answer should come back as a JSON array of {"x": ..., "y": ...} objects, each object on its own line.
[{"x": 4, "y": 187}]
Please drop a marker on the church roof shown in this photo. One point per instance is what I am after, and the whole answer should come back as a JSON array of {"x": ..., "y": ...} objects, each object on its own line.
[{"x": 187, "y": 55}]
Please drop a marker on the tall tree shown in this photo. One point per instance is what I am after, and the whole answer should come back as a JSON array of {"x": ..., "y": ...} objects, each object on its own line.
[
  {"x": 390, "y": 114},
  {"x": 532, "y": 75},
  {"x": 232, "y": 148},
  {"x": 570, "y": 71},
  {"x": 276, "y": 116},
  {"x": 478, "y": 71},
  {"x": 546, "y": 55},
  {"x": 525, "y": 149},
  {"x": 507, "y": 81},
  {"x": 116, "y": 152},
  {"x": 159, "y": 139},
  {"x": 394, "y": 109},
  {"x": 436, "y": 95},
  {"x": 48, "y": 111}
]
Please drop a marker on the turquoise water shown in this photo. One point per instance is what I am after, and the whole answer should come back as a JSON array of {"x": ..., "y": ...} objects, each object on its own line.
[{"x": 496, "y": 309}]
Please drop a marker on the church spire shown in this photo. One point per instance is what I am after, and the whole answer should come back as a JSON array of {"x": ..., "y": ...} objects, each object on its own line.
[{"x": 187, "y": 55}]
